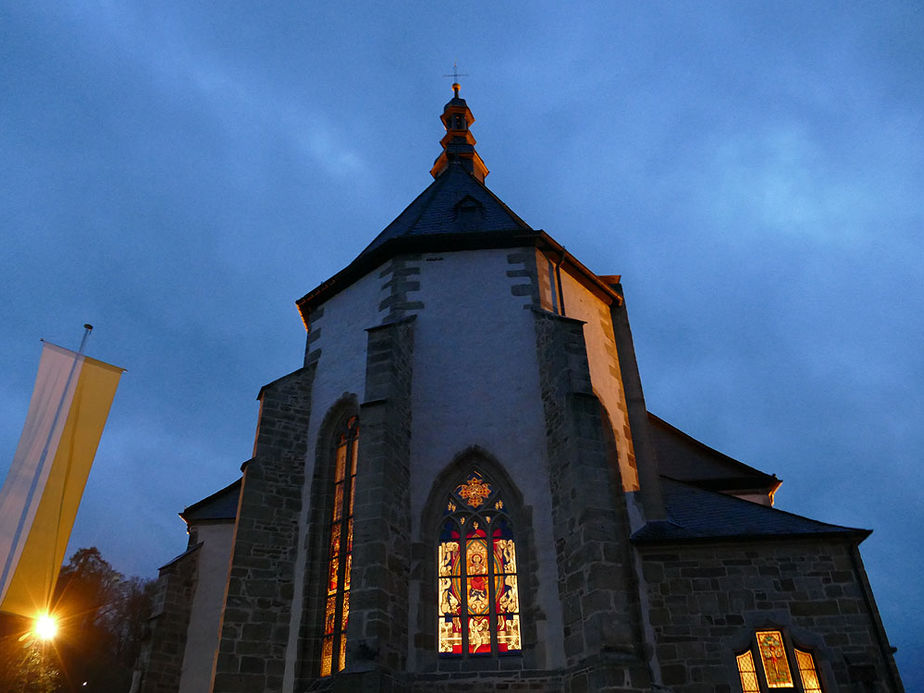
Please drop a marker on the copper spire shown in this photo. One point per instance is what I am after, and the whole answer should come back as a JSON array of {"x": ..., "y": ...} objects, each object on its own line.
[{"x": 458, "y": 142}]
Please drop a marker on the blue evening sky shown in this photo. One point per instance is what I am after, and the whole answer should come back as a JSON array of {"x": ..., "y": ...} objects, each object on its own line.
[{"x": 177, "y": 173}]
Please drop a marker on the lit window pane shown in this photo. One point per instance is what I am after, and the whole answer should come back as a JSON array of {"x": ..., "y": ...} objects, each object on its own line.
[
  {"x": 508, "y": 633},
  {"x": 332, "y": 575},
  {"x": 505, "y": 556},
  {"x": 341, "y": 462},
  {"x": 773, "y": 657},
  {"x": 748, "y": 673},
  {"x": 449, "y": 558},
  {"x": 450, "y": 634},
  {"x": 330, "y": 613},
  {"x": 474, "y": 490},
  {"x": 327, "y": 654},
  {"x": 479, "y": 634},
  {"x": 807, "y": 672},
  {"x": 505, "y": 591},
  {"x": 345, "y": 617},
  {"x": 334, "y": 540},
  {"x": 338, "y": 501}
]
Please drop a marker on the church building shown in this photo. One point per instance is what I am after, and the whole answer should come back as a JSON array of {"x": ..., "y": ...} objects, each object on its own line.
[{"x": 461, "y": 488}]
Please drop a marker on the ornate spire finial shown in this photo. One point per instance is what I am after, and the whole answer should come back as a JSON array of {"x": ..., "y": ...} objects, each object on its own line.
[
  {"x": 458, "y": 142},
  {"x": 455, "y": 79}
]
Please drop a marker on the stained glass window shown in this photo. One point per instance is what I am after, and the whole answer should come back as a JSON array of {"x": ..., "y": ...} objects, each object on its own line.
[
  {"x": 773, "y": 657},
  {"x": 340, "y": 553},
  {"x": 748, "y": 673},
  {"x": 479, "y": 606},
  {"x": 807, "y": 673}
]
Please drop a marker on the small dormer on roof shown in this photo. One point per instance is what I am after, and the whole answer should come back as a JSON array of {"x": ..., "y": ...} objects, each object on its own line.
[{"x": 458, "y": 142}]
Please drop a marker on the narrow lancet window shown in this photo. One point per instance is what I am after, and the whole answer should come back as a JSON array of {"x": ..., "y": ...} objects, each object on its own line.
[
  {"x": 340, "y": 555},
  {"x": 479, "y": 609},
  {"x": 773, "y": 657}
]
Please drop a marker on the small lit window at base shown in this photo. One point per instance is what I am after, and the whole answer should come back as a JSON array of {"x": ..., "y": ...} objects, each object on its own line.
[
  {"x": 807, "y": 673},
  {"x": 748, "y": 673}
]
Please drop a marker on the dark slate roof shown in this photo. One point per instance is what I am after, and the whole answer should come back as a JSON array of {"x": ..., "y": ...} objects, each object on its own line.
[
  {"x": 221, "y": 505},
  {"x": 686, "y": 459},
  {"x": 455, "y": 203},
  {"x": 697, "y": 514}
]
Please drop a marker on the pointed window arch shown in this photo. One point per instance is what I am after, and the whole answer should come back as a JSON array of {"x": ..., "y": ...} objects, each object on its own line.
[
  {"x": 477, "y": 591},
  {"x": 340, "y": 549}
]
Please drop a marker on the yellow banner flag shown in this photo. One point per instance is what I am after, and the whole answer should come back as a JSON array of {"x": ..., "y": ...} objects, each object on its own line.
[{"x": 42, "y": 491}]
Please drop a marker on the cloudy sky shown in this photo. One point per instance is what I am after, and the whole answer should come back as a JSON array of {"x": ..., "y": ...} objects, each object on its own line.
[{"x": 178, "y": 173}]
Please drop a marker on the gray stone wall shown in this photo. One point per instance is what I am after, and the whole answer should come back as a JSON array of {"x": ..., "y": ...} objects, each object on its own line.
[
  {"x": 255, "y": 624},
  {"x": 377, "y": 633},
  {"x": 162, "y": 655},
  {"x": 707, "y": 600},
  {"x": 596, "y": 579},
  {"x": 402, "y": 279}
]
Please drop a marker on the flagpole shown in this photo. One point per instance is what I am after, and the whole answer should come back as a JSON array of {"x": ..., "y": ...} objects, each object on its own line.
[{"x": 88, "y": 328}]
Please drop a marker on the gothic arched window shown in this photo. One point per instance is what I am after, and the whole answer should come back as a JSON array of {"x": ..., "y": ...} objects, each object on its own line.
[
  {"x": 340, "y": 553},
  {"x": 479, "y": 606}
]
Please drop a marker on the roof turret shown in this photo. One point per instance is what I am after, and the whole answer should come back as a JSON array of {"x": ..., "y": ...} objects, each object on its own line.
[{"x": 458, "y": 142}]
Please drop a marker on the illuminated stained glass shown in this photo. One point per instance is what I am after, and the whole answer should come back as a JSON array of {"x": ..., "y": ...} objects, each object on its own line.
[
  {"x": 338, "y": 501},
  {"x": 475, "y": 490},
  {"x": 340, "y": 555},
  {"x": 332, "y": 574},
  {"x": 327, "y": 650},
  {"x": 773, "y": 657},
  {"x": 330, "y": 615},
  {"x": 478, "y": 600},
  {"x": 508, "y": 633},
  {"x": 748, "y": 673},
  {"x": 479, "y": 634},
  {"x": 807, "y": 672}
]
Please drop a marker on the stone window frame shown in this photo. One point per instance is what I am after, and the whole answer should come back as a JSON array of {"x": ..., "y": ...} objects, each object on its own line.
[
  {"x": 432, "y": 519},
  {"x": 319, "y": 529},
  {"x": 790, "y": 644}
]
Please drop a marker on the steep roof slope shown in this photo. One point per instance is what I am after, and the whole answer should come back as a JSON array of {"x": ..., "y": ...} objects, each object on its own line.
[
  {"x": 684, "y": 458},
  {"x": 455, "y": 203},
  {"x": 697, "y": 514}
]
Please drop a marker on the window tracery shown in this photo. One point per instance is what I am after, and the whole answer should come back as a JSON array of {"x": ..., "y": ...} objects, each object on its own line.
[
  {"x": 479, "y": 610},
  {"x": 340, "y": 550}
]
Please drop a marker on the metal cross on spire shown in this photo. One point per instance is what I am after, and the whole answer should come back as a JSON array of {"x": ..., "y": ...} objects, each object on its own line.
[{"x": 455, "y": 78}]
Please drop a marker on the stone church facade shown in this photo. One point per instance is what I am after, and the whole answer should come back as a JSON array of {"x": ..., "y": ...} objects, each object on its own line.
[{"x": 462, "y": 489}]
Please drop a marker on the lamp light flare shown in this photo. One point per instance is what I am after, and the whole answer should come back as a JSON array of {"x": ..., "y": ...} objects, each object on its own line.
[{"x": 46, "y": 627}]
